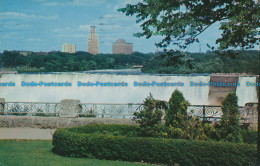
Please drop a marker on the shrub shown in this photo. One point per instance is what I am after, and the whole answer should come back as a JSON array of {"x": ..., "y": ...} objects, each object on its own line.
[
  {"x": 150, "y": 118},
  {"x": 179, "y": 124},
  {"x": 176, "y": 114},
  {"x": 84, "y": 142},
  {"x": 229, "y": 124},
  {"x": 249, "y": 136}
]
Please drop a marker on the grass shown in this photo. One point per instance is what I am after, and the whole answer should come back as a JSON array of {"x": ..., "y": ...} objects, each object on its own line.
[{"x": 38, "y": 153}]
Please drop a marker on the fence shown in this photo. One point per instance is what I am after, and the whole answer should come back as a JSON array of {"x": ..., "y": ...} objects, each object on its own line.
[{"x": 105, "y": 110}]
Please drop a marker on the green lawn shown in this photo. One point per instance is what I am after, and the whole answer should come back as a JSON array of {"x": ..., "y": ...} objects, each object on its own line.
[{"x": 38, "y": 152}]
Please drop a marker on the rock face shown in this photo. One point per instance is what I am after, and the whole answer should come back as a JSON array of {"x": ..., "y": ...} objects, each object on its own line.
[
  {"x": 218, "y": 93},
  {"x": 70, "y": 108}
]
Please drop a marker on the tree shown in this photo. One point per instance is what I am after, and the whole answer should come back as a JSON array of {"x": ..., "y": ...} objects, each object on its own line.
[
  {"x": 180, "y": 22},
  {"x": 180, "y": 124},
  {"x": 176, "y": 114},
  {"x": 230, "y": 128},
  {"x": 150, "y": 118}
]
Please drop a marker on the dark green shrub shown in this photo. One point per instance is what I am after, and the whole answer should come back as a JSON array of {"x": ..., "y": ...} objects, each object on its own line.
[
  {"x": 176, "y": 114},
  {"x": 73, "y": 142},
  {"x": 125, "y": 130},
  {"x": 150, "y": 119},
  {"x": 229, "y": 125},
  {"x": 249, "y": 136},
  {"x": 180, "y": 125}
]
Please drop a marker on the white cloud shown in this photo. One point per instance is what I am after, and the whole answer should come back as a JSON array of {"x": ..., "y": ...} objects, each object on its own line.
[
  {"x": 84, "y": 27},
  {"x": 62, "y": 30},
  {"x": 80, "y": 35},
  {"x": 11, "y": 25},
  {"x": 16, "y": 15}
]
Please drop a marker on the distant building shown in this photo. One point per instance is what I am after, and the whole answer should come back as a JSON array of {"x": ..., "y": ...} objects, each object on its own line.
[
  {"x": 92, "y": 41},
  {"x": 41, "y": 53},
  {"x": 25, "y": 53},
  {"x": 69, "y": 48},
  {"x": 121, "y": 47}
]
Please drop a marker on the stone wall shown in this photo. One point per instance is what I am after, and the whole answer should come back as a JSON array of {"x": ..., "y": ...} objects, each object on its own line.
[
  {"x": 252, "y": 115},
  {"x": 69, "y": 108},
  {"x": 56, "y": 122},
  {"x": 2, "y": 102}
]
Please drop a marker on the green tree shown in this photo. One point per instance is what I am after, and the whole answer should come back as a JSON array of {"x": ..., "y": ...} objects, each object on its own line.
[
  {"x": 150, "y": 119},
  {"x": 180, "y": 124},
  {"x": 230, "y": 129},
  {"x": 176, "y": 114},
  {"x": 181, "y": 22}
]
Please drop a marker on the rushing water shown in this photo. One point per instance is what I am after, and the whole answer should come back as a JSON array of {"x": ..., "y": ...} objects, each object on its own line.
[
  {"x": 111, "y": 94},
  {"x": 245, "y": 93}
]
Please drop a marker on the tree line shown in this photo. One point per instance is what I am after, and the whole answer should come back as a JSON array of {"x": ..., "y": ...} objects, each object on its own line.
[
  {"x": 65, "y": 62},
  {"x": 210, "y": 62}
]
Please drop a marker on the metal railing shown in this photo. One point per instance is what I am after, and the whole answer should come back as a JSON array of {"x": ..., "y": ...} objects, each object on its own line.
[
  {"x": 212, "y": 112},
  {"x": 106, "y": 110},
  {"x": 29, "y": 108}
]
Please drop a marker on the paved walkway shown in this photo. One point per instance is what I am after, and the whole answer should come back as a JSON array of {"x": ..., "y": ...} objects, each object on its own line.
[{"x": 26, "y": 133}]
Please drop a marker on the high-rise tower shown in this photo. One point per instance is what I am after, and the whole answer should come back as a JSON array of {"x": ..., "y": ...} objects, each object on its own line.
[{"x": 92, "y": 41}]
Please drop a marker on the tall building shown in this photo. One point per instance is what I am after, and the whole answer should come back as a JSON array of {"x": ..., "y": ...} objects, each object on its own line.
[
  {"x": 69, "y": 48},
  {"x": 92, "y": 41},
  {"x": 121, "y": 47}
]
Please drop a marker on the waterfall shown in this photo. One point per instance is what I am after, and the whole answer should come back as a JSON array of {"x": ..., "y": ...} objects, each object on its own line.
[
  {"x": 246, "y": 93},
  {"x": 114, "y": 94},
  {"x": 122, "y": 94}
]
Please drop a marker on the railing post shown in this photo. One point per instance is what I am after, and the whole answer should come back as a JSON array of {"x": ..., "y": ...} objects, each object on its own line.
[{"x": 204, "y": 113}]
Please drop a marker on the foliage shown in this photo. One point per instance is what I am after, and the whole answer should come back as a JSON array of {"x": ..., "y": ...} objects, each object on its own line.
[
  {"x": 176, "y": 114},
  {"x": 120, "y": 130},
  {"x": 181, "y": 22},
  {"x": 244, "y": 62},
  {"x": 180, "y": 125},
  {"x": 73, "y": 142},
  {"x": 177, "y": 123},
  {"x": 63, "y": 62},
  {"x": 229, "y": 125},
  {"x": 249, "y": 136},
  {"x": 150, "y": 118}
]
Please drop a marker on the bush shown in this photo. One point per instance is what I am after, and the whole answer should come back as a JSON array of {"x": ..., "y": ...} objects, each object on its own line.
[
  {"x": 249, "y": 136},
  {"x": 176, "y": 114},
  {"x": 229, "y": 124},
  {"x": 180, "y": 125},
  {"x": 150, "y": 118},
  {"x": 86, "y": 142}
]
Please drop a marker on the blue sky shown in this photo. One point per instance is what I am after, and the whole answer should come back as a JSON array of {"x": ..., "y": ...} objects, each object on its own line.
[{"x": 44, "y": 25}]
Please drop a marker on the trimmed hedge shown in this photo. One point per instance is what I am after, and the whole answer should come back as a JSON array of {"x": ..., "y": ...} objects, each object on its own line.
[
  {"x": 91, "y": 141},
  {"x": 249, "y": 136}
]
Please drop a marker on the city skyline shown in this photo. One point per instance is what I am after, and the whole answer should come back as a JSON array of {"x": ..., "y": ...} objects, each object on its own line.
[{"x": 44, "y": 25}]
